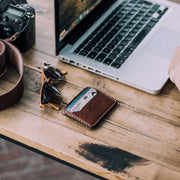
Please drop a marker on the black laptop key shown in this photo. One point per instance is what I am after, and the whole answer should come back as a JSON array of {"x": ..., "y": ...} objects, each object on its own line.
[
  {"x": 82, "y": 45},
  {"x": 142, "y": 34},
  {"x": 100, "y": 57},
  {"x": 133, "y": 1},
  {"x": 92, "y": 54},
  {"x": 142, "y": 21},
  {"x": 102, "y": 44},
  {"x": 137, "y": 17},
  {"x": 86, "y": 41},
  {"x": 151, "y": 24},
  {"x": 124, "y": 11},
  {"x": 106, "y": 40},
  {"x": 124, "y": 42},
  {"x": 126, "y": 18},
  {"x": 129, "y": 15},
  {"x": 127, "y": 8},
  {"x": 109, "y": 35},
  {"x": 154, "y": 20},
  {"x": 155, "y": 8},
  {"x": 115, "y": 19},
  {"x": 121, "y": 23},
  {"x": 138, "y": 5},
  {"x": 144, "y": 9},
  {"x": 108, "y": 61},
  {"x": 128, "y": 38},
  {"x": 119, "y": 15},
  {"x": 122, "y": 33},
  {"x": 103, "y": 32},
  {"x": 107, "y": 50},
  {"x": 110, "y": 46},
  {"x": 118, "y": 37},
  {"x": 129, "y": 25},
  {"x": 107, "y": 28},
  {"x": 116, "y": 51},
  {"x": 112, "y": 56},
  {"x": 116, "y": 65},
  {"x": 134, "y": 21},
  {"x": 114, "y": 41},
  {"x": 120, "y": 60},
  {"x": 146, "y": 18},
  {"x": 83, "y": 53},
  {"x": 132, "y": 34},
  {"x": 139, "y": 25},
  {"x": 117, "y": 27},
  {"x": 120, "y": 47},
  {"x": 140, "y": 13},
  {"x": 135, "y": 30},
  {"x": 98, "y": 48},
  {"x": 114, "y": 31},
  {"x": 124, "y": 55},
  {"x": 148, "y": 3},
  {"x": 100, "y": 35},
  {"x": 126, "y": 29},
  {"x": 149, "y": 14},
  {"x": 141, "y": 2},
  {"x": 88, "y": 48},
  {"x": 92, "y": 44},
  {"x": 128, "y": 50},
  {"x": 111, "y": 23},
  {"x": 136, "y": 9},
  {"x": 96, "y": 39}
]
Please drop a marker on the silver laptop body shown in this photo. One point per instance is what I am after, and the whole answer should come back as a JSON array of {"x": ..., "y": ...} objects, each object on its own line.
[{"x": 144, "y": 61}]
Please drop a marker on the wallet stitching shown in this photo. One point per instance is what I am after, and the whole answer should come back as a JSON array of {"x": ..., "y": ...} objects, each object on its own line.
[{"x": 78, "y": 119}]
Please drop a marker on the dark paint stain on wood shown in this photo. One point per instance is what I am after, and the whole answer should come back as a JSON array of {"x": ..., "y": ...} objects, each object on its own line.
[{"x": 113, "y": 159}]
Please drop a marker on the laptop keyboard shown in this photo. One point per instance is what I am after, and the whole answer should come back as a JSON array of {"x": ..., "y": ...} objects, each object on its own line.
[{"x": 121, "y": 32}]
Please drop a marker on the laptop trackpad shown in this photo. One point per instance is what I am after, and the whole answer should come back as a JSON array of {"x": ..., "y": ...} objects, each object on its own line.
[{"x": 164, "y": 43}]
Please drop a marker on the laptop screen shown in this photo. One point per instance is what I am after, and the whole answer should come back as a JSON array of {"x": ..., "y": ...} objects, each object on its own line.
[{"x": 71, "y": 12}]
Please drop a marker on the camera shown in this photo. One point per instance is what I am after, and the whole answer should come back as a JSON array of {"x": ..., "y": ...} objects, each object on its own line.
[{"x": 17, "y": 21}]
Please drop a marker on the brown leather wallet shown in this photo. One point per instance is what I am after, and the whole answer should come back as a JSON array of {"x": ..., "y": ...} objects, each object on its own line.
[
  {"x": 10, "y": 55},
  {"x": 89, "y": 106}
]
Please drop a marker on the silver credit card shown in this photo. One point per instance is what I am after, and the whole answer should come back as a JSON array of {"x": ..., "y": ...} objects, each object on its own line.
[{"x": 82, "y": 100}]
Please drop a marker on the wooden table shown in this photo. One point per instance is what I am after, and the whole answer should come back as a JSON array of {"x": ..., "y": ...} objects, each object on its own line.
[{"x": 139, "y": 139}]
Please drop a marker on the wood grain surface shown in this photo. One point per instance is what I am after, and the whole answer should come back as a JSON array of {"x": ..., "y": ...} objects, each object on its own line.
[{"x": 139, "y": 139}]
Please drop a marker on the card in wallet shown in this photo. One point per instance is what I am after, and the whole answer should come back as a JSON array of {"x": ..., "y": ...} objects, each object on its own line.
[{"x": 89, "y": 106}]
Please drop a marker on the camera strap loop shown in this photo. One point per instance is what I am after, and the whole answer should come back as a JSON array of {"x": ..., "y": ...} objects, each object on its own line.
[
  {"x": 12, "y": 38},
  {"x": 9, "y": 54}
]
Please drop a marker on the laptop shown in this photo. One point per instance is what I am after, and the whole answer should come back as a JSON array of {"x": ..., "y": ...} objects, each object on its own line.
[{"x": 130, "y": 41}]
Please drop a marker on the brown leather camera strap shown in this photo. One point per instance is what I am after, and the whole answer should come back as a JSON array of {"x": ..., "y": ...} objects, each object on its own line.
[{"x": 10, "y": 55}]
